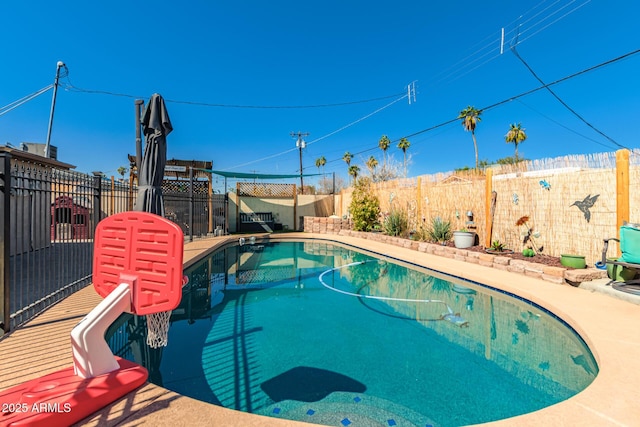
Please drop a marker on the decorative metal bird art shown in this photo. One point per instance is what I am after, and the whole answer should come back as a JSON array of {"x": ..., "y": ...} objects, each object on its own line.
[
  {"x": 585, "y": 204},
  {"x": 545, "y": 185}
]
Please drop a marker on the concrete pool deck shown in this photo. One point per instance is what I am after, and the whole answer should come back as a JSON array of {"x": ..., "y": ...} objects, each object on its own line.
[{"x": 608, "y": 320}]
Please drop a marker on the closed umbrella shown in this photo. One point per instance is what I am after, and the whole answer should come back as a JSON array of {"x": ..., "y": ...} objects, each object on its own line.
[{"x": 156, "y": 126}]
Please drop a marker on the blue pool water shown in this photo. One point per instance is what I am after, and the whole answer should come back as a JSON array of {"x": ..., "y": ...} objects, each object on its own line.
[{"x": 326, "y": 334}]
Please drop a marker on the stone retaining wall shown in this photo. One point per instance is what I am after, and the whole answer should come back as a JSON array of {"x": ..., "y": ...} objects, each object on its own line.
[
  {"x": 551, "y": 274},
  {"x": 331, "y": 225}
]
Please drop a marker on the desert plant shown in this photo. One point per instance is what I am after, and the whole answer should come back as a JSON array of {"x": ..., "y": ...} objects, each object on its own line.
[
  {"x": 440, "y": 231},
  {"x": 497, "y": 246},
  {"x": 364, "y": 207},
  {"x": 396, "y": 223}
]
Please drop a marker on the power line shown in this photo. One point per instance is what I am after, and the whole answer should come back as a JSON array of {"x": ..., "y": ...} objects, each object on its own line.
[
  {"x": 15, "y": 104},
  {"x": 575, "y": 113},
  {"x": 284, "y": 107},
  {"x": 359, "y": 120},
  {"x": 490, "y": 42},
  {"x": 563, "y": 79},
  {"x": 71, "y": 88},
  {"x": 563, "y": 126},
  {"x": 529, "y": 92},
  {"x": 558, "y": 19},
  {"x": 322, "y": 137},
  {"x": 497, "y": 104}
]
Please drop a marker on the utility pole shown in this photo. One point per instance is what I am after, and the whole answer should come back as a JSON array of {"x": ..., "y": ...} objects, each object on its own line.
[
  {"x": 300, "y": 143},
  {"x": 47, "y": 146}
]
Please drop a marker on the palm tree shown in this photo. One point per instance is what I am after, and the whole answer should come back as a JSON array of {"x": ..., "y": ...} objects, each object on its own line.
[
  {"x": 320, "y": 162},
  {"x": 404, "y": 145},
  {"x": 354, "y": 171},
  {"x": 121, "y": 171},
  {"x": 515, "y": 136},
  {"x": 371, "y": 165},
  {"x": 470, "y": 117},
  {"x": 347, "y": 158},
  {"x": 384, "y": 144}
]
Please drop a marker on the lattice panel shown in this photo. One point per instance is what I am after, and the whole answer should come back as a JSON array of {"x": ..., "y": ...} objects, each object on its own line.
[
  {"x": 182, "y": 187},
  {"x": 265, "y": 190}
]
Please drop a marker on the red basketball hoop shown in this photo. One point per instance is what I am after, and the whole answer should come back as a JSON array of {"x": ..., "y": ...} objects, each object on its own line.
[
  {"x": 144, "y": 250},
  {"x": 137, "y": 268}
]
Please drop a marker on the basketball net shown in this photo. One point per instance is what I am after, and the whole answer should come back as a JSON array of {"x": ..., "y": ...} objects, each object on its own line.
[{"x": 158, "y": 329}]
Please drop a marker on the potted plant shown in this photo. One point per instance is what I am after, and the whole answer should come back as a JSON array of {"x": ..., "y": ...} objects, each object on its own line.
[{"x": 464, "y": 238}]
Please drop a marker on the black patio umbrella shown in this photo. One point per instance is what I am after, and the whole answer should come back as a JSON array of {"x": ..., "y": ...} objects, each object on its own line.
[{"x": 156, "y": 126}]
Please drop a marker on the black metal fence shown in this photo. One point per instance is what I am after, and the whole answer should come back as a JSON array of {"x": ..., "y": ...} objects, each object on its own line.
[
  {"x": 192, "y": 208},
  {"x": 48, "y": 218}
]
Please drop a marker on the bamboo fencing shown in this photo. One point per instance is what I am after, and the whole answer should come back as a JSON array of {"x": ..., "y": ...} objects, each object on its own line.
[{"x": 572, "y": 203}]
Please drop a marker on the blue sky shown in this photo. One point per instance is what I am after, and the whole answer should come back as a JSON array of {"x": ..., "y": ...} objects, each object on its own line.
[{"x": 219, "y": 63}]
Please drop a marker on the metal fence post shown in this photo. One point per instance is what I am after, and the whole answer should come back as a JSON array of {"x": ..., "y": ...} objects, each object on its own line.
[
  {"x": 97, "y": 201},
  {"x": 5, "y": 240},
  {"x": 191, "y": 203}
]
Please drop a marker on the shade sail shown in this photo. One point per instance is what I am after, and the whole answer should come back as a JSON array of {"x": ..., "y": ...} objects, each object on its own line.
[{"x": 244, "y": 175}]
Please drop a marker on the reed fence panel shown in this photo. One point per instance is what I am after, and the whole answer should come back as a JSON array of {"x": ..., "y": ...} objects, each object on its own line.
[{"x": 571, "y": 202}]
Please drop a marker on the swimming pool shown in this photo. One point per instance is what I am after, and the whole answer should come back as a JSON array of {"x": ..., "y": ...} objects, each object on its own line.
[{"x": 326, "y": 334}]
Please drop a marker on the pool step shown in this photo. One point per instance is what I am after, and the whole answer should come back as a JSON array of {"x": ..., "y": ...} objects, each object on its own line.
[{"x": 349, "y": 410}]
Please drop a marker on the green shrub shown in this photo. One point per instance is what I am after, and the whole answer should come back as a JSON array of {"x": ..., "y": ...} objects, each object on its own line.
[
  {"x": 364, "y": 207},
  {"x": 396, "y": 223},
  {"x": 440, "y": 231}
]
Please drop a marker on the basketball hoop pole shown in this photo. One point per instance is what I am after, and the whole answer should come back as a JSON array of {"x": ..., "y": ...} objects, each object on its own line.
[{"x": 91, "y": 353}]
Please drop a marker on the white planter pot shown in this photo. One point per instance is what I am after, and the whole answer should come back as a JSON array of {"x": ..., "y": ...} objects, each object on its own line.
[{"x": 464, "y": 239}]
